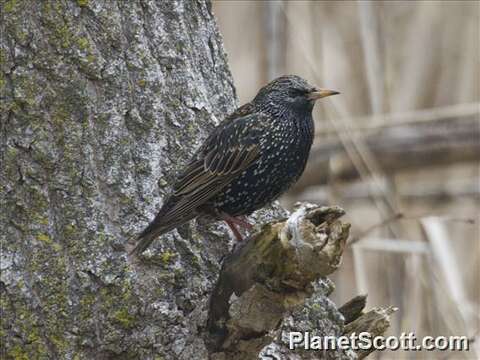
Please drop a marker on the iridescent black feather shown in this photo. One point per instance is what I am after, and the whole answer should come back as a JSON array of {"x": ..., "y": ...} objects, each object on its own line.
[{"x": 248, "y": 161}]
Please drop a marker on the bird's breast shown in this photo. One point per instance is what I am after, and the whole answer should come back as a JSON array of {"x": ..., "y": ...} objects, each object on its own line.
[{"x": 284, "y": 151}]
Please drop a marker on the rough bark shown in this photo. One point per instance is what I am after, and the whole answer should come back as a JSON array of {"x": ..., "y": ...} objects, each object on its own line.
[
  {"x": 274, "y": 283},
  {"x": 270, "y": 275},
  {"x": 102, "y": 102}
]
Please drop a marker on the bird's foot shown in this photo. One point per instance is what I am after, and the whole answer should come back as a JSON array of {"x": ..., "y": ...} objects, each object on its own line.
[
  {"x": 242, "y": 222},
  {"x": 239, "y": 221}
]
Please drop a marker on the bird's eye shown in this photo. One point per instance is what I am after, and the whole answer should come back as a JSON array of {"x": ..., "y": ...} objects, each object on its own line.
[{"x": 298, "y": 92}]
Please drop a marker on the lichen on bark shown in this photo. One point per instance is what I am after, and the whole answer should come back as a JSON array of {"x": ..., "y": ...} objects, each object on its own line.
[{"x": 102, "y": 99}]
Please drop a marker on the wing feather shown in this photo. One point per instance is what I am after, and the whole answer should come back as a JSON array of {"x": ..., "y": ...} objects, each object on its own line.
[{"x": 227, "y": 152}]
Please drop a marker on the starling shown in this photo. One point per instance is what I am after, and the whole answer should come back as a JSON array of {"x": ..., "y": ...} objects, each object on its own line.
[{"x": 249, "y": 160}]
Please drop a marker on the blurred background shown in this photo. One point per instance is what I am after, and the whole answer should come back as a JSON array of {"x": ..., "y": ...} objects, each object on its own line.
[{"x": 399, "y": 149}]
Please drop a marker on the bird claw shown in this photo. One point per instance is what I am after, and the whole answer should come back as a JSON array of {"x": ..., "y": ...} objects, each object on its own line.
[{"x": 232, "y": 221}]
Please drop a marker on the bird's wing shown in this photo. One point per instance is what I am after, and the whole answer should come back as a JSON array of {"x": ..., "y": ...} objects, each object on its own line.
[{"x": 230, "y": 149}]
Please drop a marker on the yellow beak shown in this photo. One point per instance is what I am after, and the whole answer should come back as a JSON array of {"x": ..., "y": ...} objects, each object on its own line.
[{"x": 321, "y": 93}]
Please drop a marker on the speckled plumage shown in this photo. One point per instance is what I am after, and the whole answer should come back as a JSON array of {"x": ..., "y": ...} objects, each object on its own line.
[{"x": 248, "y": 161}]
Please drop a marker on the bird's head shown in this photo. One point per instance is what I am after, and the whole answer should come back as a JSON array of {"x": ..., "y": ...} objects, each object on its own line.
[{"x": 291, "y": 91}]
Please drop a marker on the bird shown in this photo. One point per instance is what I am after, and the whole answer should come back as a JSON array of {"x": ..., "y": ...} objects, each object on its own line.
[{"x": 251, "y": 158}]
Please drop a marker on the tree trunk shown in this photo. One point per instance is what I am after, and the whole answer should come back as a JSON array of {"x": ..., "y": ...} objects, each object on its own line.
[{"x": 102, "y": 102}]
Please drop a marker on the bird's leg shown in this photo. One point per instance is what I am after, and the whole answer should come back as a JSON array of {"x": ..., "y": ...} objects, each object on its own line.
[
  {"x": 232, "y": 221},
  {"x": 235, "y": 231},
  {"x": 242, "y": 221},
  {"x": 239, "y": 220}
]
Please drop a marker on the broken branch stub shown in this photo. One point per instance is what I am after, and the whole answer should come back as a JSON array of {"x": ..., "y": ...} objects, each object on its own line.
[
  {"x": 375, "y": 322},
  {"x": 271, "y": 272},
  {"x": 353, "y": 308}
]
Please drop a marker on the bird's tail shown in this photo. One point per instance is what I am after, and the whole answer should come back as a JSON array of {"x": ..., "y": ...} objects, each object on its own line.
[
  {"x": 151, "y": 232},
  {"x": 154, "y": 230}
]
